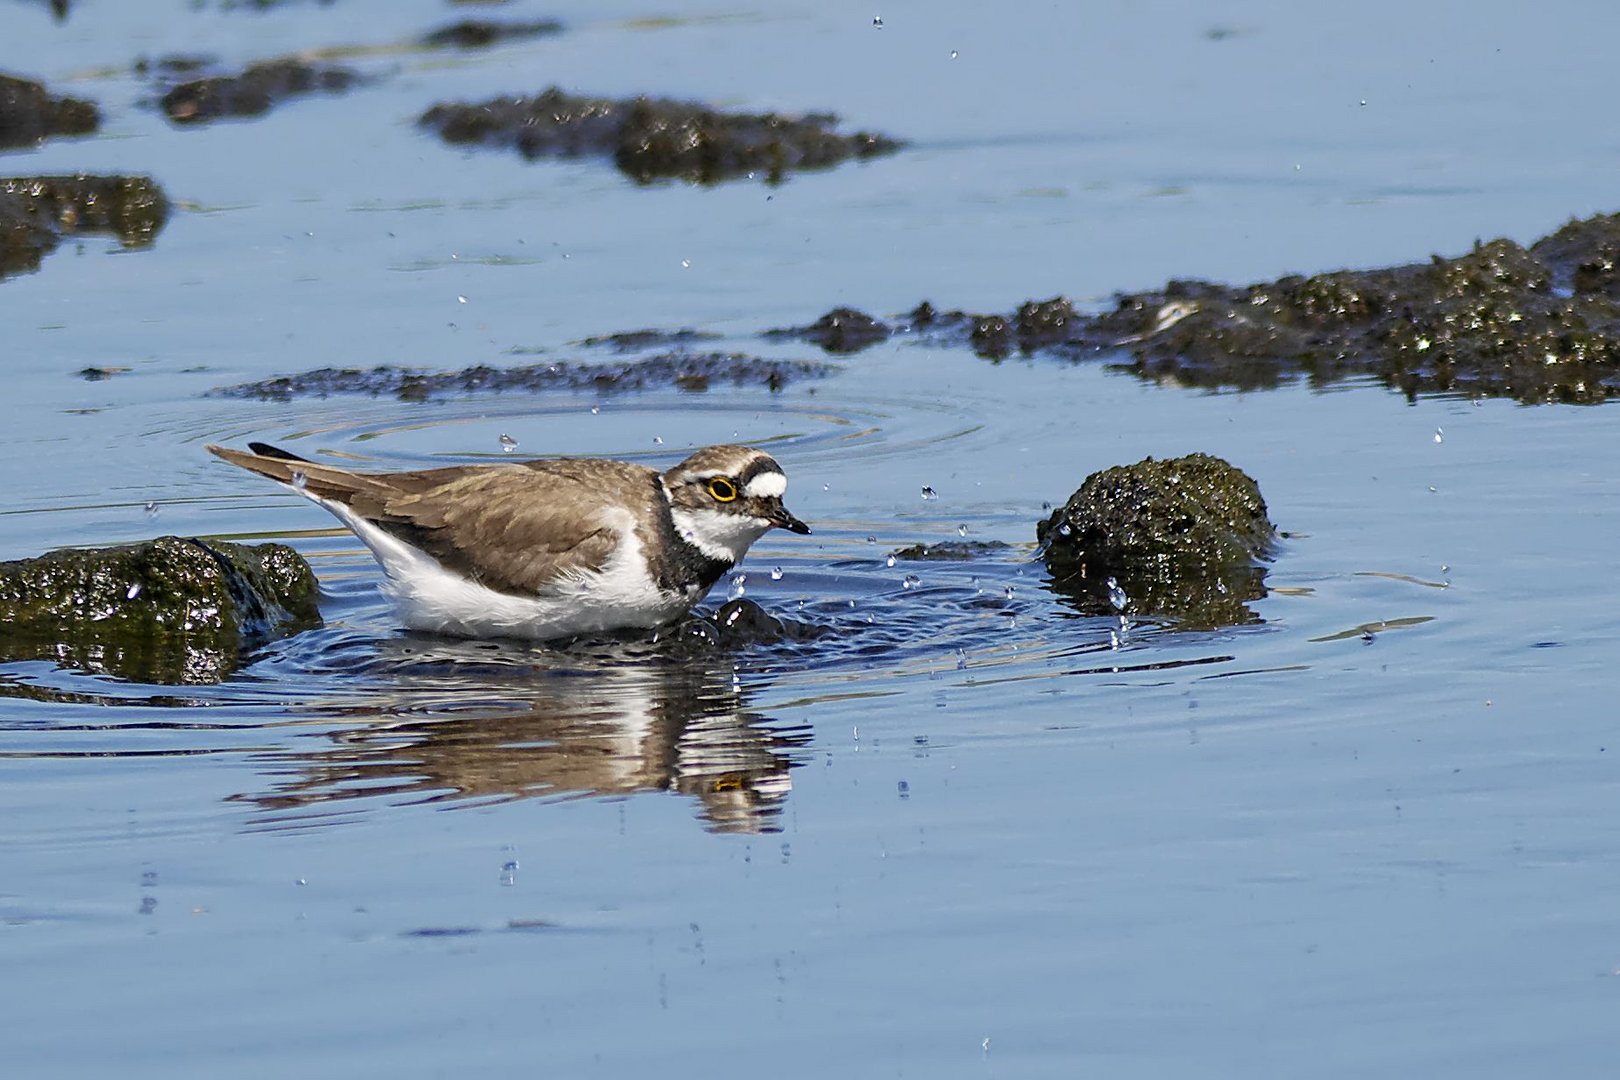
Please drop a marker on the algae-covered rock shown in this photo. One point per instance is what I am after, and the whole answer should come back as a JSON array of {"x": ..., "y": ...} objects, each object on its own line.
[
  {"x": 841, "y": 330},
  {"x": 655, "y": 138},
  {"x": 254, "y": 90},
  {"x": 1183, "y": 537},
  {"x": 1536, "y": 324},
  {"x": 169, "y": 610},
  {"x": 37, "y": 212},
  {"x": 482, "y": 33},
  {"x": 29, "y": 113}
]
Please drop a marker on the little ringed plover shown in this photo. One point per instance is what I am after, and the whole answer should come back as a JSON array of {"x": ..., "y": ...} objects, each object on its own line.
[{"x": 546, "y": 548}]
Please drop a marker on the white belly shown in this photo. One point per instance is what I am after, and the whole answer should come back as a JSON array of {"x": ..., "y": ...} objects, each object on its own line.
[{"x": 429, "y": 597}]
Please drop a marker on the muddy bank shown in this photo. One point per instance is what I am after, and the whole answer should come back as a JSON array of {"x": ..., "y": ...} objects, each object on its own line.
[
  {"x": 1536, "y": 324},
  {"x": 254, "y": 90},
  {"x": 693, "y": 372},
  {"x": 38, "y": 212},
  {"x": 170, "y": 610},
  {"x": 655, "y": 138},
  {"x": 1184, "y": 537},
  {"x": 29, "y": 113}
]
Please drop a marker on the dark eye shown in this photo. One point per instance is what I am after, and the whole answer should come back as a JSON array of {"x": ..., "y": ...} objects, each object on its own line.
[{"x": 722, "y": 489}]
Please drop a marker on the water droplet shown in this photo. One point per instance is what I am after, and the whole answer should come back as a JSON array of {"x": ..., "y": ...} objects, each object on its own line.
[
  {"x": 1046, "y": 508},
  {"x": 953, "y": 54},
  {"x": 871, "y": 539},
  {"x": 889, "y": 561},
  {"x": 826, "y": 487},
  {"x": 299, "y": 479},
  {"x": 911, "y": 581},
  {"x": 739, "y": 584},
  {"x": 1445, "y": 568},
  {"x": 1065, "y": 529},
  {"x": 461, "y": 299},
  {"x": 151, "y": 509},
  {"x": 508, "y": 444},
  {"x": 852, "y": 603},
  {"x": 1116, "y": 595},
  {"x": 1220, "y": 587},
  {"x": 904, "y": 789},
  {"x": 1008, "y": 592},
  {"x": 776, "y": 573},
  {"x": 658, "y": 440},
  {"x": 961, "y": 530},
  {"x": 686, "y": 264},
  {"x": 929, "y": 493},
  {"x": 1439, "y": 435},
  {"x": 596, "y": 410},
  {"x": 877, "y": 21},
  {"x": 134, "y": 591}
]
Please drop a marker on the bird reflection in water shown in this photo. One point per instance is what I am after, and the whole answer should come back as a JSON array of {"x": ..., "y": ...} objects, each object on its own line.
[{"x": 592, "y": 729}]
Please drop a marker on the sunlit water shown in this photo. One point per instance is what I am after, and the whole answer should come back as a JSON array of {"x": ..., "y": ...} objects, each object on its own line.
[{"x": 955, "y": 827}]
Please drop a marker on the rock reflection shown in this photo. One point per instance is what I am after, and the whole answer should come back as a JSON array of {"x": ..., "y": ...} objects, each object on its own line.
[{"x": 558, "y": 733}]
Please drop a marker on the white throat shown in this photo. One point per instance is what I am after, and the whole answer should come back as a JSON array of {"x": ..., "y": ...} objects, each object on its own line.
[{"x": 718, "y": 534}]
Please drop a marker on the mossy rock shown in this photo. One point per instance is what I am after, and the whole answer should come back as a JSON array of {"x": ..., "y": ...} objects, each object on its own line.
[
  {"x": 1184, "y": 537},
  {"x": 171, "y": 610}
]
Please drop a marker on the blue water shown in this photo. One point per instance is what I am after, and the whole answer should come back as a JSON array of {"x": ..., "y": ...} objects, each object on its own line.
[{"x": 971, "y": 832}]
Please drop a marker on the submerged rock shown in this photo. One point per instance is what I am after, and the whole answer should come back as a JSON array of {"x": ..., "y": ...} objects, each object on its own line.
[
  {"x": 37, "y": 212},
  {"x": 952, "y": 551},
  {"x": 169, "y": 610},
  {"x": 254, "y": 91},
  {"x": 482, "y": 33},
  {"x": 655, "y": 138},
  {"x": 1184, "y": 537},
  {"x": 736, "y": 624},
  {"x": 29, "y": 114},
  {"x": 637, "y": 340},
  {"x": 685, "y": 371}
]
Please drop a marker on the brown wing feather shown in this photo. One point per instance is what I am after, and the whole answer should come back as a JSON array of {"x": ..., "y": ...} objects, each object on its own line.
[{"x": 513, "y": 527}]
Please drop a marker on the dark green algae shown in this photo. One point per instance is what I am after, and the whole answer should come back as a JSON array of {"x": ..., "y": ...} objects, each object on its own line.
[
  {"x": 169, "y": 611},
  {"x": 1183, "y": 537},
  {"x": 1538, "y": 324}
]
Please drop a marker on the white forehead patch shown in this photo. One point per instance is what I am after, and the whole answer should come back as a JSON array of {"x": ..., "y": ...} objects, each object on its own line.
[{"x": 765, "y": 485}]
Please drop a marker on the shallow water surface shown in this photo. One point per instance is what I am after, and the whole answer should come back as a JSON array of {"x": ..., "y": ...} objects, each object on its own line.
[{"x": 956, "y": 827}]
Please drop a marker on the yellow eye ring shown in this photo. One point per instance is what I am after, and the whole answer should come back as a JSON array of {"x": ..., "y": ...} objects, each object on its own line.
[{"x": 722, "y": 489}]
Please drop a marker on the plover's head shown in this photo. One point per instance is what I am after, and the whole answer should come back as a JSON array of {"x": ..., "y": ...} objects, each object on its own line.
[{"x": 723, "y": 498}]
